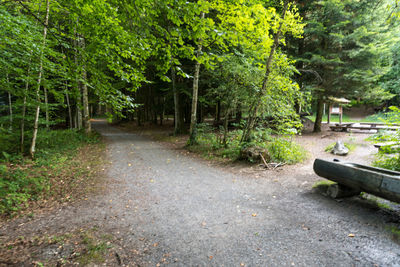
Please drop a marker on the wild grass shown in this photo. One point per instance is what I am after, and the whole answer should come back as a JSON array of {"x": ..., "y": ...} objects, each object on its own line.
[{"x": 53, "y": 173}]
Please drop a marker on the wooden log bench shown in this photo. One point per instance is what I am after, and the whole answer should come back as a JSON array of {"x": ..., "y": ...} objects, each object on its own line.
[{"x": 354, "y": 178}]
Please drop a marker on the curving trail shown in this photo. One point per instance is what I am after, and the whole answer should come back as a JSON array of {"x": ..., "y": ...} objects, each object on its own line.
[{"x": 163, "y": 207}]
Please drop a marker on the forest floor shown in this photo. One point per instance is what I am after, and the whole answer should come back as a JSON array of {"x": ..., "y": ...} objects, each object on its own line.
[{"x": 162, "y": 205}]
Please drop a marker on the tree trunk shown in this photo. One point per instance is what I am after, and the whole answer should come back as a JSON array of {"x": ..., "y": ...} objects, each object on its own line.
[
  {"x": 69, "y": 106},
  {"x": 24, "y": 113},
  {"x": 238, "y": 116},
  {"x": 78, "y": 106},
  {"x": 10, "y": 108},
  {"x": 36, "y": 122},
  {"x": 193, "y": 119},
  {"x": 226, "y": 120},
  {"x": 256, "y": 104},
  {"x": 22, "y": 140},
  {"x": 218, "y": 111},
  {"x": 46, "y": 106},
  {"x": 85, "y": 96},
  {"x": 178, "y": 122},
  {"x": 318, "y": 119}
]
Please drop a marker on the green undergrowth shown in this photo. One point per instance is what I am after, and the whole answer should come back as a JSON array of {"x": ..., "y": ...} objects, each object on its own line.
[
  {"x": 211, "y": 145},
  {"x": 55, "y": 173},
  {"x": 388, "y": 157}
]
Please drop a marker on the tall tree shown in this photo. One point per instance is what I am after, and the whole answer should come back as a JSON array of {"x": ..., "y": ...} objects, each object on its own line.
[
  {"x": 193, "y": 120},
  {"x": 344, "y": 50},
  {"x": 39, "y": 82}
]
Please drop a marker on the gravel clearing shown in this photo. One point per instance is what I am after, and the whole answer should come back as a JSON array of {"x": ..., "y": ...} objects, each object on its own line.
[{"x": 164, "y": 207}]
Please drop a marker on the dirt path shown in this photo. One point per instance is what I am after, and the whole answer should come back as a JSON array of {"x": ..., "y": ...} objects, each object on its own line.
[{"x": 163, "y": 207}]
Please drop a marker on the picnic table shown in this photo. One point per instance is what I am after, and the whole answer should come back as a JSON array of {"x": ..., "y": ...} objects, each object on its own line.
[{"x": 344, "y": 127}]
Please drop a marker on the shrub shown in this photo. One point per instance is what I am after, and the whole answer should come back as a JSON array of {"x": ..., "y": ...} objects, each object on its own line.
[
  {"x": 284, "y": 150},
  {"x": 389, "y": 157},
  {"x": 281, "y": 149}
]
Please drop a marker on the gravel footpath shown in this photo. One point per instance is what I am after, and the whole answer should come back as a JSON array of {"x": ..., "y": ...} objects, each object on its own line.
[{"x": 165, "y": 207}]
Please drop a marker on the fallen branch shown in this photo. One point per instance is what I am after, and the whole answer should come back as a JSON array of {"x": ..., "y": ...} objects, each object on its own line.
[
  {"x": 263, "y": 159},
  {"x": 272, "y": 165}
]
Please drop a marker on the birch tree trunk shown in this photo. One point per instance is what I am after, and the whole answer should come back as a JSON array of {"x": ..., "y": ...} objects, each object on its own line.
[
  {"x": 22, "y": 142},
  {"x": 193, "y": 118},
  {"x": 257, "y": 102},
  {"x": 85, "y": 96},
  {"x": 36, "y": 122}
]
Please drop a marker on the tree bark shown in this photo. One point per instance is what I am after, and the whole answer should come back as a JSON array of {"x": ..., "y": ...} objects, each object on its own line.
[
  {"x": 46, "y": 106},
  {"x": 69, "y": 106},
  {"x": 318, "y": 118},
  {"x": 193, "y": 119},
  {"x": 22, "y": 140},
  {"x": 78, "y": 106},
  {"x": 256, "y": 104},
  {"x": 218, "y": 111},
  {"x": 10, "y": 109},
  {"x": 226, "y": 120},
  {"x": 36, "y": 122},
  {"x": 178, "y": 121},
  {"x": 85, "y": 97}
]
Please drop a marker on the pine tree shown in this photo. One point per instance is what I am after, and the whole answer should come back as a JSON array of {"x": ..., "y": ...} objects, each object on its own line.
[{"x": 343, "y": 51}]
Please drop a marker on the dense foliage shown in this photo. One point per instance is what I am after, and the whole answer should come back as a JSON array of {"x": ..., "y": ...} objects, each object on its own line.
[
  {"x": 254, "y": 63},
  {"x": 389, "y": 154},
  {"x": 346, "y": 51}
]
